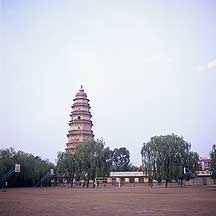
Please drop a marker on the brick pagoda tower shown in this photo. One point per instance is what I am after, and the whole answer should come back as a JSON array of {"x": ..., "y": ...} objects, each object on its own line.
[{"x": 80, "y": 123}]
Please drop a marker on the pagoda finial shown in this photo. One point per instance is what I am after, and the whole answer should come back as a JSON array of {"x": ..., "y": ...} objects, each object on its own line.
[{"x": 81, "y": 86}]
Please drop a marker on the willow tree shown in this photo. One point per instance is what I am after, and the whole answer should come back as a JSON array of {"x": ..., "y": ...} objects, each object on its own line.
[
  {"x": 213, "y": 162},
  {"x": 164, "y": 158},
  {"x": 94, "y": 159},
  {"x": 90, "y": 160},
  {"x": 66, "y": 166}
]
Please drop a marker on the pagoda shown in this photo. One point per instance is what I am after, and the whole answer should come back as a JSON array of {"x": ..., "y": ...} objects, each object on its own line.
[{"x": 80, "y": 123}]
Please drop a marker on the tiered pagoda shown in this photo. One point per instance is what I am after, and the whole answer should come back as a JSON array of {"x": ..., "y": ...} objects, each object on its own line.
[{"x": 80, "y": 123}]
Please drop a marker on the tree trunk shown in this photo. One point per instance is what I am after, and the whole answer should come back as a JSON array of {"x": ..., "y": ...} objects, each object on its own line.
[
  {"x": 181, "y": 182},
  {"x": 72, "y": 182},
  {"x": 166, "y": 185}
]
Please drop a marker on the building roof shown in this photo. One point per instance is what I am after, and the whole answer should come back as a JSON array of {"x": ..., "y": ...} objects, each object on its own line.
[
  {"x": 204, "y": 158},
  {"x": 126, "y": 174}
]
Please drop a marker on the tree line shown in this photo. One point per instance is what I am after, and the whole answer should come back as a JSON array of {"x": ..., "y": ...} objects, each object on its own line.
[
  {"x": 92, "y": 159},
  {"x": 163, "y": 158},
  {"x": 32, "y": 167}
]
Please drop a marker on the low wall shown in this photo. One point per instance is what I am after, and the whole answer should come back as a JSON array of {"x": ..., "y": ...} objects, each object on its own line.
[{"x": 200, "y": 181}]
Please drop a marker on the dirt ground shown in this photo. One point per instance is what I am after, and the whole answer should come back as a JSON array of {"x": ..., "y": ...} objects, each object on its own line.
[{"x": 108, "y": 201}]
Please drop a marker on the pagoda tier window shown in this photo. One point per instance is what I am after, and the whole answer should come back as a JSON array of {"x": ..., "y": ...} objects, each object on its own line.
[{"x": 79, "y": 117}]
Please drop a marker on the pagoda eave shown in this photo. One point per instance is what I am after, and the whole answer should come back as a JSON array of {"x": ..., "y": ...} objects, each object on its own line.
[
  {"x": 71, "y": 133},
  {"x": 74, "y": 143},
  {"x": 81, "y": 98},
  {"x": 80, "y": 105},
  {"x": 81, "y": 112},
  {"x": 78, "y": 121}
]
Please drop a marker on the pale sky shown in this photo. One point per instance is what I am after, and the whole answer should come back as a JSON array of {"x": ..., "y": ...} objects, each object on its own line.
[{"x": 148, "y": 68}]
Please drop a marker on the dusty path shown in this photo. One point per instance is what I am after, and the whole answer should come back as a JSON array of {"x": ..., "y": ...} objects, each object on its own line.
[{"x": 108, "y": 201}]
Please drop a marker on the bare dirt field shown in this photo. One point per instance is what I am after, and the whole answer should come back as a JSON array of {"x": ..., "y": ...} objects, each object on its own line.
[{"x": 108, "y": 201}]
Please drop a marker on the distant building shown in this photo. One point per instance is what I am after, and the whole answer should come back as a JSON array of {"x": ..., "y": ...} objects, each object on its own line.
[
  {"x": 204, "y": 163},
  {"x": 128, "y": 177},
  {"x": 80, "y": 123},
  {"x": 204, "y": 173}
]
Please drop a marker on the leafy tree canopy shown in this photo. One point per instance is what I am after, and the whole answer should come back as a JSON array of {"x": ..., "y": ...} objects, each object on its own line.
[
  {"x": 121, "y": 159},
  {"x": 164, "y": 157},
  {"x": 91, "y": 159},
  {"x": 32, "y": 167}
]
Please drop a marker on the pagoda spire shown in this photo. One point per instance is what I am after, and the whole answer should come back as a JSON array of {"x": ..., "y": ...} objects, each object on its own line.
[{"x": 80, "y": 123}]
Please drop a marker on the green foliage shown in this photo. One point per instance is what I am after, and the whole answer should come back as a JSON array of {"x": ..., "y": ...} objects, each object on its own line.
[
  {"x": 32, "y": 168},
  {"x": 94, "y": 159},
  {"x": 6, "y": 160},
  {"x": 121, "y": 160},
  {"x": 213, "y": 160},
  {"x": 90, "y": 160},
  {"x": 66, "y": 165},
  {"x": 164, "y": 157}
]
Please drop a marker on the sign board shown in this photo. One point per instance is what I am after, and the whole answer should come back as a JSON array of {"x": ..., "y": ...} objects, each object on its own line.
[
  {"x": 17, "y": 168},
  {"x": 51, "y": 172}
]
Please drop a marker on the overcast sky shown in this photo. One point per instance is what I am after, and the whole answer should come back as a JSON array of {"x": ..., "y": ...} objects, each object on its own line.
[{"x": 148, "y": 68}]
